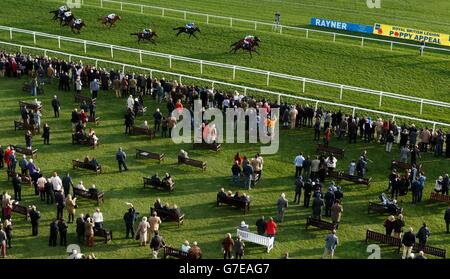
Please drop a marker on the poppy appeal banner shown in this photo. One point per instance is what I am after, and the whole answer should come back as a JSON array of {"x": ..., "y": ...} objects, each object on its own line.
[{"x": 411, "y": 34}]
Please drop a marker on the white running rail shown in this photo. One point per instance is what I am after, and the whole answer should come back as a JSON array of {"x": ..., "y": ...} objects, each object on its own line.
[
  {"x": 213, "y": 83},
  {"x": 302, "y": 80}
]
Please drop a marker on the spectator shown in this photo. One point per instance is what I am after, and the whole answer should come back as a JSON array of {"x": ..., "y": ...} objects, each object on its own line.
[
  {"x": 408, "y": 242},
  {"x": 227, "y": 246},
  {"x": 298, "y": 189},
  {"x": 317, "y": 207},
  {"x": 98, "y": 218},
  {"x": 398, "y": 226},
  {"x": 81, "y": 227},
  {"x": 352, "y": 168},
  {"x": 67, "y": 183},
  {"x": 185, "y": 247},
  {"x": 243, "y": 226},
  {"x": 420, "y": 256},
  {"x": 89, "y": 232},
  {"x": 129, "y": 217},
  {"x": 156, "y": 243},
  {"x": 336, "y": 213},
  {"x": 239, "y": 247},
  {"x": 3, "y": 239},
  {"x": 438, "y": 185},
  {"x": 282, "y": 205},
  {"x": 46, "y": 134},
  {"x": 389, "y": 141},
  {"x": 298, "y": 161},
  {"x": 53, "y": 233},
  {"x": 195, "y": 252},
  {"x": 331, "y": 241},
  {"x": 34, "y": 218},
  {"x": 247, "y": 171},
  {"x": 56, "y": 105},
  {"x": 62, "y": 228},
  {"x": 142, "y": 231},
  {"x": 329, "y": 201},
  {"x": 121, "y": 157},
  {"x": 154, "y": 221},
  {"x": 236, "y": 172},
  {"x": 261, "y": 225},
  {"x": 17, "y": 185},
  {"x": 60, "y": 204},
  {"x": 389, "y": 224},
  {"x": 423, "y": 234},
  {"x": 271, "y": 228},
  {"x": 8, "y": 231},
  {"x": 308, "y": 189}
]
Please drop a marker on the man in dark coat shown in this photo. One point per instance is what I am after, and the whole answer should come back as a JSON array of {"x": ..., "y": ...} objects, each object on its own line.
[
  {"x": 81, "y": 224},
  {"x": 408, "y": 241},
  {"x": 62, "y": 228},
  {"x": 317, "y": 207},
  {"x": 298, "y": 189},
  {"x": 156, "y": 243},
  {"x": 67, "y": 183},
  {"x": 261, "y": 225},
  {"x": 329, "y": 200},
  {"x": 308, "y": 189},
  {"x": 447, "y": 218},
  {"x": 56, "y": 106},
  {"x": 34, "y": 218},
  {"x": 17, "y": 184},
  {"x": 60, "y": 204},
  {"x": 53, "y": 233},
  {"x": 129, "y": 221},
  {"x": 423, "y": 234}
]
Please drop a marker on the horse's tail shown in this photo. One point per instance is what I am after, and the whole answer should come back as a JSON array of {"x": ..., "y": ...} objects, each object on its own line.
[
  {"x": 177, "y": 28},
  {"x": 232, "y": 45},
  {"x": 53, "y": 12},
  {"x": 100, "y": 18},
  {"x": 134, "y": 34}
]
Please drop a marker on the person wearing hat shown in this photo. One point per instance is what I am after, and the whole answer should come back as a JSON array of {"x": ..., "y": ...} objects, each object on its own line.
[
  {"x": 439, "y": 184},
  {"x": 243, "y": 226}
]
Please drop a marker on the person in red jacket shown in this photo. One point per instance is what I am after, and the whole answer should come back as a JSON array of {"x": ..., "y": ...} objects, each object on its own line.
[
  {"x": 327, "y": 137},
  {"x": 271, "y": 227},
  {"x": 179, "y": 106},
  {"x": 7, "y": 153},
  {"x": 83, "y": 117}
]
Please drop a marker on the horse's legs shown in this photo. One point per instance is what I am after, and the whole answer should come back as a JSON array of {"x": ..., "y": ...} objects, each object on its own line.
[
  {"x": 194, "y": 36},
  {"x": 179, "y": 32}
]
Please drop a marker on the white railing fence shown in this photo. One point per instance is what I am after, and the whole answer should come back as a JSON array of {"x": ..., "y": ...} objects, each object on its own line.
[
  {"x": 244, "y": 89},
  {"x": 253, "y": 24},
  {"x": 234, "y": 69}
]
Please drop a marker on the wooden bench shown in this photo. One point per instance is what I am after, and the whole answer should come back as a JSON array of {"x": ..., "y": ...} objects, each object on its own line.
[
  {"x": 256, "y": 238},
  {"x": 234, "y": 202},
  {"x": 438, "y": 252},
  {"x": 404, "y": 166},
  {"x": 321, "y": 224},
  {"x": 106, "y": 234},
  {"x": 142, "y": 131},
  {"x": 88, "y": 195},
  {"x": 32, "y": 106},
  {"x": 380, "y": 208},
  {"x": 191, "y": 162},
  {"x": 148, "y": 182},
  {"x": 383, "y": 238},
  {"x": 210, "y": 146},
  {"x": 80, "y": 98},
  {"x": 86, "y": 141},
  {"x": 176, "y": 253},
  {"x": 341, "y": 175},
  {"x": 25, "y": 178},
  {"x": 20, "y": 209},
  {"x": 439, "y": 197},
  {"x": 338, "y": 152},
  {"x": 168, "y": 215},
  {"x": 19, "y": 125},
  {"x": 25, "y": 151},
  {"x": 82, "y": 165},
  {"x": 140, "y": 154}
]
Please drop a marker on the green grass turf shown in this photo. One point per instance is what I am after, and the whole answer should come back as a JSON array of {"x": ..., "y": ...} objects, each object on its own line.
[
  {"x": 400, "y": 71},
  {"x": 195, "y": 190}
]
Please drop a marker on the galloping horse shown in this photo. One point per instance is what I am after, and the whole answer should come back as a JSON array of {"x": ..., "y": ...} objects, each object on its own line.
[
  {"x": 190, "y": 31},
  {"x": 76, "y": 25},
  {"x": 146, "y": 36},
  {"x": 65, "y": 21},
  {"x": 106, "y": 20},
  {"x": 57, "y": 14},
  {"x": 242, "y": 44}
]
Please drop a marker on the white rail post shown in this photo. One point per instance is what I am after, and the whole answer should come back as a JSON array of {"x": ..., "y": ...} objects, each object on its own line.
[
  {"x": 184, "y": 15},
  {"x": 255, "y": 25},
  {"x": 334, "y": 37},
  {"x": 317, "y": 104},
  {"x": 245, "y": 91},
  {"x": 268, "y": 78},
  {"x": 381, "y": 97},
  {"x": 307, "y": 33},
  {"x": 121, "y": 6},
  {"x": 207, "y": 19},
  {"x": 21, "y": 49},
  {"x": 392, "y": 45},
  {"x": 59, "y": 42},
  {"x": 179, "y": 78},
  {"x": 362, "y": 41},
  {"x": 434, "y": 126},
  {"x": 170, "y": 61},
  {"x": 201, "y": 67},
  {"x": 234, "y": 72},
  {"x": 231, "y": 22},
  {"x": 342, "y": 90},
  {"x": 140, "y": 56},
  {"x": 162, "y": 12},
  {"x": 10, "y": 33},
  {"x": 123, "y": 68},
  {"x": 304, "y": 85},
  {"x": 421, "y": 106},
  {"x": 281, "y": 29},
  {"x": 142, "y": 9},
  {"x": 279, "y": 99},
  {"x": 112, "y": 52},
  {"x": 34, "y": 37},
  {"x": 70, "y": 58},
  {"x": 85, "y": 47},
  {"x": 101, "y": 3},
  {"x": 45, "y": 52},
  {"x": 353, "y": 112},
  {"x": 212, "y": 87},
  {"x": 151, "y": 74},
  {"x": 96, "y": 63}
]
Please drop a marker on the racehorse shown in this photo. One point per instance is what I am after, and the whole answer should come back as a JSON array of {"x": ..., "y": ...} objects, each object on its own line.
[
  {"x": 246, "y": 47},
  {"x": 76, "y": 27},
  {"x": 105, "y": 20},
  {"x": 56, "y": 14},
  {"x": 190, "y": 31},
  {"x": 64, "y": 21},
  {"x": 146, "y": 36}
]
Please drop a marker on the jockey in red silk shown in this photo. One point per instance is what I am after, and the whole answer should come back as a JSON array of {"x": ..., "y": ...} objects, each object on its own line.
[{"x": 249, "y": 39}]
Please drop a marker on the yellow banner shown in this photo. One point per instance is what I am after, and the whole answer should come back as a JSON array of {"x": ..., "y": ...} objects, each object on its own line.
[{"x": 411, "y": 34}]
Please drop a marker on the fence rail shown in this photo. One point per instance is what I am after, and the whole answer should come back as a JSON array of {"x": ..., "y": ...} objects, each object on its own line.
[
  {"x": 267, "y": 74},
  {"x": 231, "y": 21},
  {"x": 213, "y": 83}
]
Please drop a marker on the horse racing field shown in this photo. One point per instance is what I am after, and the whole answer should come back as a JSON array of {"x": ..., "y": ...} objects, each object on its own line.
[{"x": 373, "y": 66}]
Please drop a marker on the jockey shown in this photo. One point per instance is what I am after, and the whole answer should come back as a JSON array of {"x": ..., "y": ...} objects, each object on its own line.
[
  {"x": 111, "y": 17},
  {"x": 67, "y": 15},
  {"x": 63, "y": 9},
  {"x": 249, "y": 39},
  {"x": 147, "y": 31},
  {"x": 190, "y": 25},
  {"x": 78, "y": 21}
]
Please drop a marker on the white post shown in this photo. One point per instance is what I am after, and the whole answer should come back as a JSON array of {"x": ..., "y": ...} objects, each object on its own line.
[
  {"x": 123, "y": 68},
  {"x": 162, "y": 12},
  {"x": 179, "y": 78},
  {"x": 307, "y": 33},
  {"x": 255, "y": 25},
  {"x": 353, "y": 112},
  {"x": 334, "y": 37},
  {"x": 281, "y": 29},
  {"x": 434, "y": 126},
  {"x": 201, "y": 67},
  {"x": 96, "y": 64},
  {"x": 231, "y": 22},
  {"x": 342, "y": 89},
  {"x": 268, "y": 78},
  {"x": 421, "y": 106},
  {"x": 170, "y": 61},
  {"x": 184, "y": 15},
  {"x": 70, "y": 58},
  {"x": 234, "y": 72},
  {"x": 10, "y": 33},
  {"x": 140, "y": 56},
  {"x": 151, "y": 74},
  {"x": 317, "y": 104},
  {"x": 85, "y": 47},
  {"x": 207, "y": 19},
  {"x": 362, "y": 41},
  {"x": 101, "y": 3},
  {"x": 381, "y": 97},
  {"x": 212, "y": 87},
  {"x": 21, "y": 49},
  {"x": 392, "y": 45},
  {"x": 304, "y": 85},
  {"x": 34, "y": 37},
  {"x": 45, "y": 52},
  {"x": 142, "y": 9},
  {"x": 112, "y": 52},
  {"x": 121, "y": 6},
  {"x": 245, "y": 91},
  {"x": 279, "y": 99},
  {"x": 59, "y": 42}
]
